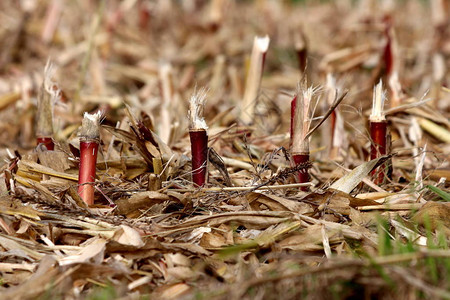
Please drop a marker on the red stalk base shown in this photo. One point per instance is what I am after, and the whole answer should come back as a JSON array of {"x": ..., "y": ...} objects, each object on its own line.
[
  {"x": 199, "y": 150},
  {"x": 378, "y": 132},
  {"x": 47, "y": 142},
  {"x": 86, "y": 177},
  {"x": 302, "y": 175}
]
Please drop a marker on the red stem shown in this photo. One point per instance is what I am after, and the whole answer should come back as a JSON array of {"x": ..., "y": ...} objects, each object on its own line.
[
  {"x": 302, "y": 175},
  {"x": 293, "y": 106},
  {"x": 388, "y": 51},
  {"x": 378, "y": 132},
  {"x": 263, "y": 62},
  {"x": 333, "y": 125},
  {"x": 86, "y": 177},
  {"x": 199, "y": 150},
  {"x": 144, "y": 15},
  {"x": 47, "y": 142}
]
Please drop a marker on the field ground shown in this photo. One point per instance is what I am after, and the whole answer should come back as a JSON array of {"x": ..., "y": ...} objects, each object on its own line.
[{"x": 368, "y": 224}]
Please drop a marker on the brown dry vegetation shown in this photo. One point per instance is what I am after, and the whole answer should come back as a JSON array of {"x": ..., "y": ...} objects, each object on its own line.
[{"x": 251, "y": 232}]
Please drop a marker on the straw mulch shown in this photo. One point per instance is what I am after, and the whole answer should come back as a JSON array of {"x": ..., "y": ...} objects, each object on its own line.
[{"x": 252, "y": 232}]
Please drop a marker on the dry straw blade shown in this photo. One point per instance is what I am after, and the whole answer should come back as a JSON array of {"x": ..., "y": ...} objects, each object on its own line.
[
  {"x": 437, "y": 131},
  {"x": 347, "y": 183},
  {"x": 8, "y": 99}
]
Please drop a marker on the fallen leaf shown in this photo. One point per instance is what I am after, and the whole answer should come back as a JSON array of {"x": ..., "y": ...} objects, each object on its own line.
[
  {"x": 126, "y": 235},
  {"x": 347, "y": 183}
]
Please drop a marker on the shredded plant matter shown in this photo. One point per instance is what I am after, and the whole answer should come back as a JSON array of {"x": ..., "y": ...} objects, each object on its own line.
[
  {"x": 196, "y": 107},
  {"x": 377, "y": 114},
  {"x": 369, "y": 216},
  {"x": 90, "y": 127}
]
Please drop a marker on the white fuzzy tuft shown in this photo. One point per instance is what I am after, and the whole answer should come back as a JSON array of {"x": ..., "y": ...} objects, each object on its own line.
[
  {"x": 262, "y": 43},
  {"x": 379, "y": 97},
  {"x": 196, "y": 106},
  {"x": 95, "y": 117},
  {"x": 90, "y": 127}
]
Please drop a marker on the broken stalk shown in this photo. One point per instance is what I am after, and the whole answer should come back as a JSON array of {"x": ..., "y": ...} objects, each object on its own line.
[
  {"x": 293, "y": 105},
  {"x": 199, "y": 137},
  {"x": 167, "y": 93},
  {"x": 391, "y": 62},
  {"x": 253, "y": 80},
  {"x": 48, "y": 95},
  {"x": 89, "y": 141},
  {"x": 300, "y": 128},
  {"x": 378, "y": 131}
]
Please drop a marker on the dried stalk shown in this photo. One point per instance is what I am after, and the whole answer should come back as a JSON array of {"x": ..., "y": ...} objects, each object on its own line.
[
  {"x": 253, "y": 81},
  {"x": 391, "y": 64},
  {"x": 378, "y": 130},
  {"x": 53, "y": 15},
  {"x": 388, "y": 54},
  {"x": 167, "y": 92},
  {"x": 48, "y": 95},
  {"x": 293, "y": 108},
  {"x": 300, "y": 128}
]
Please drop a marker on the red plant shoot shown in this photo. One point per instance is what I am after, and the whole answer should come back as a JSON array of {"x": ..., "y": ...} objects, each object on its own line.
[
  {"x": 391, "y": 64},
  {"x": 89, "y": 142},
  {"x": 388, "y": 53},
  {"x": 302, "y": 175},
  {"x": 336, "y": 133},
  {"x": 293, "y": 105},
  {"x": 199, "y": 149},
  {"x": 199, "y": 138},
  {"x": 300, "y": 128},
  {"x": 378, "y": 131}
]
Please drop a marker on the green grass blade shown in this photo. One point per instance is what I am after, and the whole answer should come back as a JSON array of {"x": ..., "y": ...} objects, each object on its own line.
[{"x": 439, "y": 192}]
